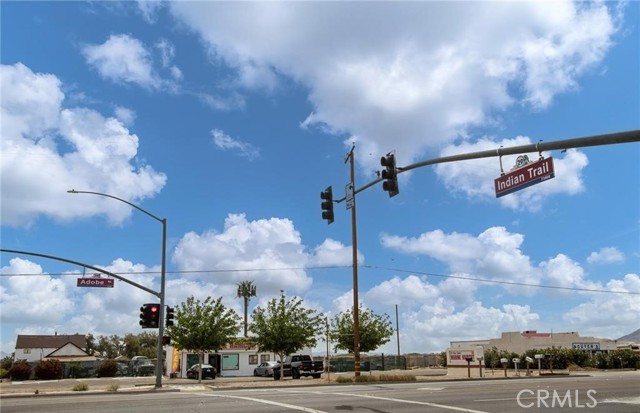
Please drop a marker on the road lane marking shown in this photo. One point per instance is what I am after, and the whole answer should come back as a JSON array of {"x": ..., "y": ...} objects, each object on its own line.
[
  {"x": 285, "y": 405},
  {"x": 391, "y": 399},
  {"x": 625, "y": 400}
]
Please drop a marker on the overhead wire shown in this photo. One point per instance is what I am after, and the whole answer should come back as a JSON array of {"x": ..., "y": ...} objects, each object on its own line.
[{"x": 330, "y": 267}]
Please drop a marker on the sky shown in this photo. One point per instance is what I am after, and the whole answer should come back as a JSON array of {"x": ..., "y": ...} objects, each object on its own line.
[{"x": 228, "y": 119}]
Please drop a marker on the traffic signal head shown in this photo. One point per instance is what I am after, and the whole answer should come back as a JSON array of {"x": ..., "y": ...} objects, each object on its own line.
[
  {"x": 390, "y": 174},
  {"x": 143, "y": 316},
  {"x": 154, "y": 315},
  {"x": 327, "y": 204},
  {"x": 150, "y": 315},
  {"x": 169, "y": 317}
]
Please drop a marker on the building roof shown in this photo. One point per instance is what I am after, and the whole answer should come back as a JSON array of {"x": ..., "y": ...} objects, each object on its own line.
[{"x": 48, "y": 341}]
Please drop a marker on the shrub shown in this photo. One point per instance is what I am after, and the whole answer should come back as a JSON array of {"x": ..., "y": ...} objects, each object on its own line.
[
  {"x": 113, "y": 387},
  {"x": 364, "y": 378},
  {"x": 397, "y": 377},
  {"x": 4, "y": 373},
  {"x": 49, "y": 370},
  {"x": 21, "y": 370},
  {"x": 343, "y": 379},
  {"x": 108, "y": 368},
  {"x": 80, "y": 387}
]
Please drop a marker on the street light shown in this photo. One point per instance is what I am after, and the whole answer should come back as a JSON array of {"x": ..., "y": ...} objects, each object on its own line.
[{"x": 163, "y": 221}]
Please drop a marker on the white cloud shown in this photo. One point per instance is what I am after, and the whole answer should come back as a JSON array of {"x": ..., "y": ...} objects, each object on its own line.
[
  {"x": 268, "y": 251},
  {"x": 36, "y": 174},
  {"x": 494, "y": 254},
  {"x": 605, "y": 255},
  {"x": 46, "y": 296},
  {"x": 475, "y": 178},
  {"x": 407, "y": 76},
  {"x": 434, "y": 325},
  {"x": 564, "y": 272},
  {"x": 226, "y": 142},
  {"x": 606, "y": 314},
  {"x": 334, "y": 253},
  {"x": 125, "y": 115},
  {"x": 122, "y": 58}
]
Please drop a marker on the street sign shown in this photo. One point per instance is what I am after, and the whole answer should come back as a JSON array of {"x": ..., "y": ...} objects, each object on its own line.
[
  {"x": 349, "y": 195},
  {"x": 95, "y": 282},
  {"x": 525, "y": 175}
]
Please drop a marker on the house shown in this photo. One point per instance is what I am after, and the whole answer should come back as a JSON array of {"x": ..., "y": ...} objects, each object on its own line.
[{"x": 33, "y": 348}]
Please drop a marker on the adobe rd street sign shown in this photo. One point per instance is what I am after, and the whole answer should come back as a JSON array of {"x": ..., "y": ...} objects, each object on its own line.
[
  {"x": 95, "y": 282},
  {"x": 528, "y": 174}
]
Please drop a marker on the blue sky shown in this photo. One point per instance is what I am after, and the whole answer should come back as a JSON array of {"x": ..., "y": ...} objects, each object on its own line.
[{"x": 228, "y": 119}]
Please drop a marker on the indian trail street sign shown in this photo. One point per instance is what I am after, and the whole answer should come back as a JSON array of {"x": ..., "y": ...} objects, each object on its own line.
[{"x": 526, "y": 175}]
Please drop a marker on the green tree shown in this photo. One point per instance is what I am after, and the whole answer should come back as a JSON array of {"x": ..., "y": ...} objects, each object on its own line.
[
  {"x": 246, "y": 290},
  {"x": 148, "y": 342},
  {"x": 374, "y": 330},
  {"x": 106, "y": 347},
  {"x": 285, "y": 327},
  {"x": 91, "y": 344},
  {"x": 203, "y": 326}
]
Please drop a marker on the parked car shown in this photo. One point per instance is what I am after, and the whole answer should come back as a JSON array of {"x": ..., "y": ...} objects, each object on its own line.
[
  {"x": 266, "y": 369},
  {"x": 207, "y": 371},
  {"x": 141, "y": 366}
]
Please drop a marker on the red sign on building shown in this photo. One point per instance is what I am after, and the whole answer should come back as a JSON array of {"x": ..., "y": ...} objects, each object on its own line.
[
  {"x": 527, "y": 175},
  {"x": 95, "y": 282}
]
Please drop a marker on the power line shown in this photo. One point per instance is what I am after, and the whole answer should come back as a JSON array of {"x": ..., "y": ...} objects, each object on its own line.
[
  {"x": 330, "y": 267},
  {"x": 460, "y": 277}
]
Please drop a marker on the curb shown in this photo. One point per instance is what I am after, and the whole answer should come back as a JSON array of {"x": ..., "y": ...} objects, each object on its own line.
[{"x": 86, "y": 393}]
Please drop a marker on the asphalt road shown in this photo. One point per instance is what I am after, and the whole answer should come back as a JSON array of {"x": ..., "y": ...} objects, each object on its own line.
[{"x": 619, "y": 393}]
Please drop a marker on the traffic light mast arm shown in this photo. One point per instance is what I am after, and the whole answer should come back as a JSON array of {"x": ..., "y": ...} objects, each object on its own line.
[{"x": 608, "y": 139}]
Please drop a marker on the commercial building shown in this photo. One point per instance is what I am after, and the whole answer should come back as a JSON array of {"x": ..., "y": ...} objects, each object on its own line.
[{"x": 519, "y": 342}]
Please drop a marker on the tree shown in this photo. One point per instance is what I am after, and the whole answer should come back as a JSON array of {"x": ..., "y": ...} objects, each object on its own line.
[
  {"x": 285, "y": 327},
  {"x": 203, "y": 326},
  {"x": 91, "y": 344},
  {"x": 246, "y": 290},
  {"x": 374, "y": 330}
]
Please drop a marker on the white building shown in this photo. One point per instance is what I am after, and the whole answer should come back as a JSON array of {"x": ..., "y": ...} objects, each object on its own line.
[{"x": 236, "y": 359}]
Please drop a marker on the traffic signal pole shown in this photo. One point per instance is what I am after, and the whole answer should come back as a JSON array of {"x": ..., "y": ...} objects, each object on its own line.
[{"x": 354, "y": 242}]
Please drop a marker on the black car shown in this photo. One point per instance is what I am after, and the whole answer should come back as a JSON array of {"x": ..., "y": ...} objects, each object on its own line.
[{"x": 207, "y": 371}]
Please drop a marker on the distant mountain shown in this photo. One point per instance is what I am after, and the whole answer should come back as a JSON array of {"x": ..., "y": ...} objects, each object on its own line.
[{"x": 633, "y": 337}]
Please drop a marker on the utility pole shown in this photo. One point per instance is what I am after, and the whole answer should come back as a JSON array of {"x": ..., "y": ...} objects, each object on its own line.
[
  {"x": 397, "y": 330},
  {"x": 354, "y": 241}
]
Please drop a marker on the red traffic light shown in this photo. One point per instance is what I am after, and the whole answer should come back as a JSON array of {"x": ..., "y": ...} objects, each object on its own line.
[{"x": 150, "y": 315}]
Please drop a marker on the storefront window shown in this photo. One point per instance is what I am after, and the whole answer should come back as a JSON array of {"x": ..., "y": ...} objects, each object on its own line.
[
  {"x": 230, "y": 362},
  {"x": 253, "y": 359},
  {"x": 265, "y": 357}
]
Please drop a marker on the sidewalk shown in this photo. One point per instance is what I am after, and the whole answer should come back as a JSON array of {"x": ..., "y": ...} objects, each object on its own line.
[{"x": 32, "y": 388}]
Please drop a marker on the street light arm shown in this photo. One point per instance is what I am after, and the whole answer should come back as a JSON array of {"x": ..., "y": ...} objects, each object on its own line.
[
  {"x": 161, "y": 295},
  {"x": 73, "y": 191}
]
